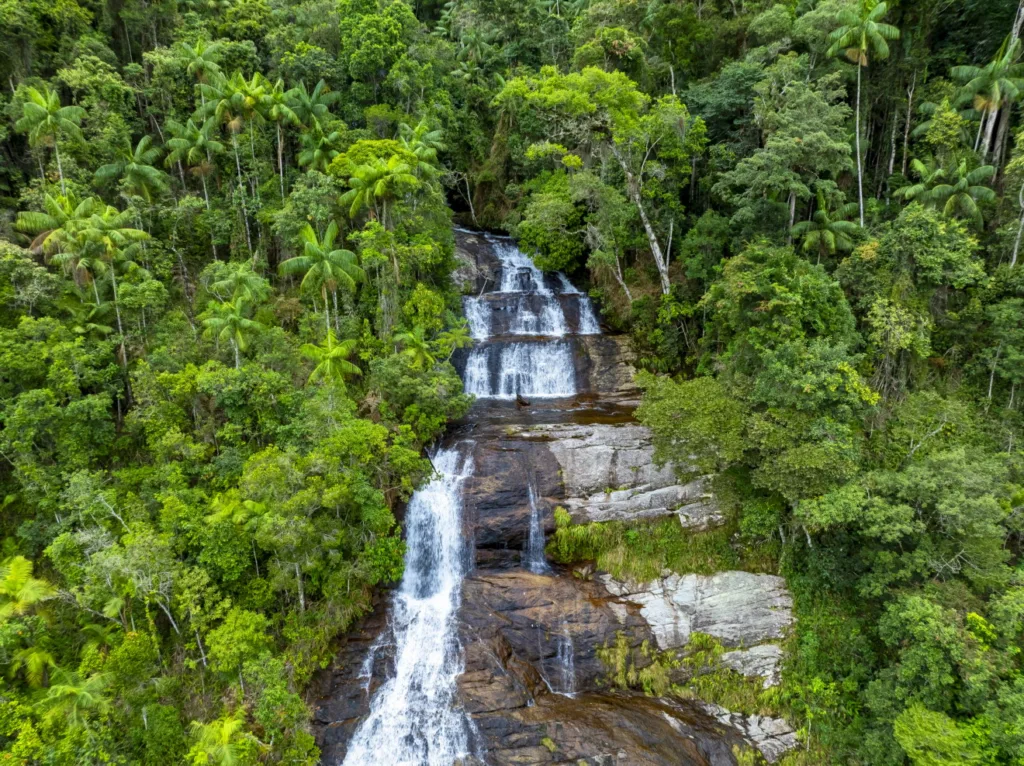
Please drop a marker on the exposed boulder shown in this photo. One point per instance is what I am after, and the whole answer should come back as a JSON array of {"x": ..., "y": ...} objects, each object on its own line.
[
  {"x": 608, "y": 473},
  {"x": 762, "y": 661},
  {"x": 772, "y": 736}
]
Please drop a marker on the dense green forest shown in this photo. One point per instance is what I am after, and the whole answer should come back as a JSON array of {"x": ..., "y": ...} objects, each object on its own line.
[{"x": 227, "y": 314}]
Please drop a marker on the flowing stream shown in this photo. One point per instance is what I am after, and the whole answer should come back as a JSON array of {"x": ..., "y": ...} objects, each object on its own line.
[{"x": 415, "y": 719}]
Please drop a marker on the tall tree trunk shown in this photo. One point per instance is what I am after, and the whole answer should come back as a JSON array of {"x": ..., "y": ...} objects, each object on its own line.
[
  {"x": 633, "y": 187},
  {"x": 906, "y": 127},
  {"x": 990, "y": 126},
  {"x": 280, "y": 159},
  {"x": 60, "y": 168},
  {"x": 1002, "y": 134},
  {"x": 621, "y": 281},
  {"x": 1020, "y": 228},
  {"x": 241, "y": 188},
  {"x": 327, "y": 310},
  {"x": 860, "y": 168},
  {"x": 238, "y": 357},
  {"x": 1018, "y": 23}
]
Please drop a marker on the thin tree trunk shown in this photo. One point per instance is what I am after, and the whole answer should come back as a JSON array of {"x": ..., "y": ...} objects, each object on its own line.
[
  {"x": 60, "y": 168},
  {"x": 992, "y": 377},
  {"x": 1002, "y": 133},
  {"x": 633, "y": 188},
  {"x": 1018, "y": 23},
  {"x": 860, "y": 169},
  {"x": 990, "y": 126},
  {"x": 1020, "y": 228},
  {"x": 280, "y": 159},
  {"x": 327, "y": 310},
  {"x": 238, "y": 357},
  {"x": 302, "y": 593},
  {"x": 906, "y": 127},
  {"x": 622, "y": 282},
  {"x": 241, "y": 187}
]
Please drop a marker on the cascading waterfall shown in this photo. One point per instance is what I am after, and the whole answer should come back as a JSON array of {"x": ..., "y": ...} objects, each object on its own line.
[
  {"x": 566, "y": 663},
  {"x": 535, "y": 560},
  {"x": 414, "y": 719}
]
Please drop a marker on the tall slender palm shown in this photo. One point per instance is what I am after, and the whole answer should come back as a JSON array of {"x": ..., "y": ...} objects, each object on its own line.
[
  {"x": 194, "y": 145},
  {"x": 134, "y": 167},
  {"x": 861, "y": 35},
  {"x": 319, "y": 147},
  {"x": 828, "y": 231},
  {"x": 227, "y": 321},
  {"x": 312, "y": 106},
  {"x": 46, "y": 121},
  {"x": 323, "y": 266},
  {"x": 202, "y": 61},
  {"x": 232, "y": 105},
  {"x": 992, "y": 88},
  {"x": 110, "y": 236},
  {"x": 278, "y": 110},
  {"x": 331, "y": 359},
  {"x": 20, "y": 592},
  {"x": 375, "y": 186}
]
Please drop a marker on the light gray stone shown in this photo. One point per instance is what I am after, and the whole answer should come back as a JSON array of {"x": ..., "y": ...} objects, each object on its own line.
[
  {"x": 737, "y": 608},
  {"x": 609, "y": 474},
  {"x": 774, "y": 737},
  {"x": 761, "y": 661}
]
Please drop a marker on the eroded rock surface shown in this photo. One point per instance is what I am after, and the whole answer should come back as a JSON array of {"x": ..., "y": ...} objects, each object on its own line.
[
  {"x": 772, "y": 736},
  {"x": 608, "y": 473},
  {"x": 737, "y": 608}
]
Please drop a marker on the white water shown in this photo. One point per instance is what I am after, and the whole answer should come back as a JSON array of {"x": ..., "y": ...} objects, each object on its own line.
[
  {"x": 414, "y": 718},
  {"x": 551, "y": 320},
  {"x": 566, "y": 663},
  {"x": 535, "y": 560},
  {"x": 478, "y": 315},
  {"x": 531, "y": 370}
]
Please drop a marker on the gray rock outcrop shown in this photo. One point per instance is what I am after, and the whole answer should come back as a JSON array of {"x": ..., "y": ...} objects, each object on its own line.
[
  {"x": 608, "y": 472},
  {"x": 772, "y": 736}
]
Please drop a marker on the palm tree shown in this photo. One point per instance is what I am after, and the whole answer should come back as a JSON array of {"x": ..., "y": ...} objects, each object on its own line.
[
  {"x": 828, "y": 231},
  {"x": 227, "y": 321},
  {"x": 220, "y": 742},
  {"x": 454, "y": 338},
  {"x": 233, "y": 104},
  {"x": 992, "y": 88},
  {"x": 45, "y": 121},
  {"x": 319, "y": 148},
  {"x": 376, "y": 184},
  {"x": 278, "y": 110},
  {"x": 331, "y": 359},
  {"x": 36, "y": 662},
  {"x": 424, "y": 144},
  {"x": 242, "y": 282},
  {"x": 311, "y": 107},
  {"x": 72, "y": 699},
  {"x": 201, "y": 61},
  {"x": 862, "y": 33},
  {"x": 959, "y": 197},
  {"x": 324, "y": 266},
  {"x": 416, "y": 347},
  {"x": 194, "y": 145},
  {"x": 20, "y": 592},
  {"x": 135, "y": 169},
  {"x": 956, "y": 191}
]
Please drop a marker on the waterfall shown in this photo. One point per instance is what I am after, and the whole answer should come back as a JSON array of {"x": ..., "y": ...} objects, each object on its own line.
[
  {"x": 532, "y": 370},
  {"x": 535, "y": 560},
  {"x": 414, "y": 719},
  {"x": 566, "y": 663},
  {"x": 478, "y": 315}
]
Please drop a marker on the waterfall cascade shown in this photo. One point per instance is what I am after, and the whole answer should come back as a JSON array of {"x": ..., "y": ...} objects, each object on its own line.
[
  {"x": 517, "y": 328},
  {"x": 414, "y": 718}
]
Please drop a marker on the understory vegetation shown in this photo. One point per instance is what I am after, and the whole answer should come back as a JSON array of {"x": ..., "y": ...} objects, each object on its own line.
[{"x": 228, "y": 314}]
